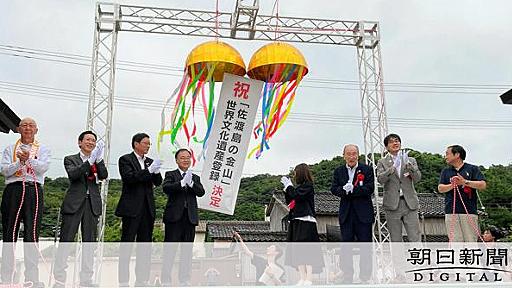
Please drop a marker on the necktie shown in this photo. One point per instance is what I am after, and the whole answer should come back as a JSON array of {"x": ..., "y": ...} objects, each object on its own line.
[{"x": 185, "y": 199}]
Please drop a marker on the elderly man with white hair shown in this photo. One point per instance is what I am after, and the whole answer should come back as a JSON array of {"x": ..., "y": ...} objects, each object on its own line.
[
  {"x": 354, "y": 184},
  {"x": 24, "y": 164}
]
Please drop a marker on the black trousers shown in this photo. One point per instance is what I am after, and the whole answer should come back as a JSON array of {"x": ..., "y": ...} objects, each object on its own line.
[
  {"x": 175, "y": 232},
  {"x": 139, "y": 229},
  {"x": 88, "y": 222},
  {"x": 353, "y": 230},
  {"x": 15, "y": 208}
]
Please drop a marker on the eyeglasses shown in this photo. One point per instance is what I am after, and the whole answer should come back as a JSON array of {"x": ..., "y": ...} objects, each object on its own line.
[{"x": 26, "y": 125}]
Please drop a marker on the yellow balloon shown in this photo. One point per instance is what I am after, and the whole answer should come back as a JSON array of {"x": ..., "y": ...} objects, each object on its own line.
[
  {"x": 269, "y": 59},
  {"x": 220, "y": 55}
]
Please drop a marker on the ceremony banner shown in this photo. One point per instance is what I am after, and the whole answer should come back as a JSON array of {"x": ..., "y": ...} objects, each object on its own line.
[{"x": 229, "y": 142}]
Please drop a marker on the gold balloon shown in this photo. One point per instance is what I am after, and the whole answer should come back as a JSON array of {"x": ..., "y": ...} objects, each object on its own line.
[
  {"x": 224, "y": 56},
  {"x": 270, "y": 58}
]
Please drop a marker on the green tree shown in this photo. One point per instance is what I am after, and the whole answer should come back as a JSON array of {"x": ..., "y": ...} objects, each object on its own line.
[{"x": 255, "y": 192}]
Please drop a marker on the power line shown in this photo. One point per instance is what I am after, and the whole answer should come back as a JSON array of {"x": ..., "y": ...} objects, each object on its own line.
[
  {"x": 310, "y": 118},
  {"x": 305, "y": 86},
  {"x": 151, "y": 103},
  {"x": 86, "y": 62},
  {"x": 295, "y": 117},
  {"x": 84, "y": 58}
]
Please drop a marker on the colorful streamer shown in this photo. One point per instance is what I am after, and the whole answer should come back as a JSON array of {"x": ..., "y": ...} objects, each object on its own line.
[
  {"x": 277, "y": 100},
  {"x": 205, "y": 65},
  {"x": 183, "y": 117}
]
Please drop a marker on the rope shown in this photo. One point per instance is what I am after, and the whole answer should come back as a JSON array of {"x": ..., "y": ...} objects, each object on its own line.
[
  {"x": 456, "y": 191},
  {"x": 277, "y": 20},
  {"x": 473, "y": 224},
  {"x": 31, "y": 171},
  {"x": 14, "y": 233},
  {"x": 452, "y": 221},
  {"x": 217, "y": 20}
]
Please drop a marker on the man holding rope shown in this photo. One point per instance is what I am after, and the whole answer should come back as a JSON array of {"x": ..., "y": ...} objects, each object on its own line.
[
  {"x": 23, "y": 165},
  {"x": 460, "y": 182}
]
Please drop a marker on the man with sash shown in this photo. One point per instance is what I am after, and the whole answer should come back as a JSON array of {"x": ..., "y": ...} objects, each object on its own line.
[{"x": 23, "y": 165}]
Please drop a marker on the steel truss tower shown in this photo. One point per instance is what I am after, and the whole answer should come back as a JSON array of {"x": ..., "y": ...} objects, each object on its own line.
[{"x": 244, "y": 23}]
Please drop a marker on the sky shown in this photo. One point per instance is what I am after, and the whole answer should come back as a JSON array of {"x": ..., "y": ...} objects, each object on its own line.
[{"x": 445, "y": 63}]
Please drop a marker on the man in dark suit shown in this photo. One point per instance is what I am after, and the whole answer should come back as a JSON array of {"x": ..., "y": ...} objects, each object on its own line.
[
  {"x": 354, "y": 184},
  {"x": 82, "y": 205},
  {"x": 139, "y": 175},
  {"x": 180, "y": 216}
]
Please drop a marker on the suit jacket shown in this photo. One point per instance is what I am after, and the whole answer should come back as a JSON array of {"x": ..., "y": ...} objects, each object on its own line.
[
  {"x": 78, "y": 173},
  {"x": 360, "y": 200},
  {"x": 304, "y": 196},
  {"x": 176, "y": 196},
  {"x": 392, "y": 182},
  {"x": 137, "y": 186}
]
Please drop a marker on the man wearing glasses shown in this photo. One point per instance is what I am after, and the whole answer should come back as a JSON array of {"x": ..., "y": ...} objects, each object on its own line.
[
  {"x": 398, "y": 173},
  {"x": 139, "y": 175}
]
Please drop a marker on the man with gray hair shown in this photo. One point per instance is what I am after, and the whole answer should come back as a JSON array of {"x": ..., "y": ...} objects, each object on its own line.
[
  {"x": 23, "y": 165},
  {"x": 354, "y": 184}
]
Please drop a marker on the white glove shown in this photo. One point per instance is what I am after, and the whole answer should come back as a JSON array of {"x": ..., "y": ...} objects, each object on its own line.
[
  {"x": 93, "y": 156},
  {"x": 286, "y": 182},
  {"x": 190, "y": 181},
  {"x": 396, "y": 162},
  {"x": 155, "y": 166},
  {"x": 187, "y": 179},
  {"x": 349, "y": 188},
  {"x": 160, "y": 163},
  {"x": 99, "y": 156},
  {"x": 405, "y": 156}
]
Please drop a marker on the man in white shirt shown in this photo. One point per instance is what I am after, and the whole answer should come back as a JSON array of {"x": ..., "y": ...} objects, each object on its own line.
[{"x": 23, "y": 165}]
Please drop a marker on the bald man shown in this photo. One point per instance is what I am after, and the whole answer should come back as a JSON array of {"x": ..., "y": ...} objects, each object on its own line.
[
  {"x": 23, "y": 165},
  {"x": 354, "y": 184}
]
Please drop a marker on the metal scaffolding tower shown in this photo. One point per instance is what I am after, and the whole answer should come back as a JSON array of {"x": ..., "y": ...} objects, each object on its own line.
[{"x": 244, "y": 23}]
